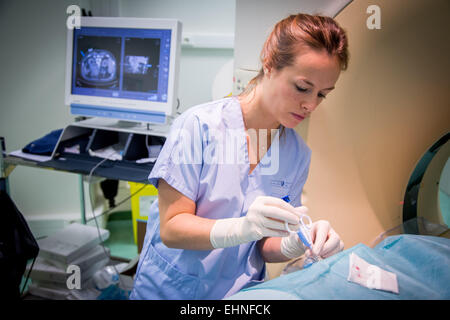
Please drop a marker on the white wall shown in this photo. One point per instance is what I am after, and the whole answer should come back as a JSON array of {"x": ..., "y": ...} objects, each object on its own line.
[
  {"x": 198, "y": 67},
  {"x": 32, "y": 59},
  {"x": 255, "y": 20},
  {"x": 32, "y": 78}
]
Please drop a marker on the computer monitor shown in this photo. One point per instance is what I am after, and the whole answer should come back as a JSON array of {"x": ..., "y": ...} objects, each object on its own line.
[{"x": 123, "y": 68}]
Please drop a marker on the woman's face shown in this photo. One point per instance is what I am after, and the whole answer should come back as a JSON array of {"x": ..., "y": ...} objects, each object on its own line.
[{"x": 294, "y": 92}]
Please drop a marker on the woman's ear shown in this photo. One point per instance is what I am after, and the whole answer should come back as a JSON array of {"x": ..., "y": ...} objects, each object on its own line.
[{"x": 267, "y": 71}]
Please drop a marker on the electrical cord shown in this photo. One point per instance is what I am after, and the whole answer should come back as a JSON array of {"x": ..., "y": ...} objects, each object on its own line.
[
  {"x": 95, "y": 218},
  {"x": 105, "y": 212},
  {"x": 26, "y": 280},
  {"x": 178, "y": 105},
  {"x": 118, "y": 204}
]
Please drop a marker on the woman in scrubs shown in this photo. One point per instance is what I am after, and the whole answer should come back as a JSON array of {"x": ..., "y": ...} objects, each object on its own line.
[{"x": 226, "y": 166}]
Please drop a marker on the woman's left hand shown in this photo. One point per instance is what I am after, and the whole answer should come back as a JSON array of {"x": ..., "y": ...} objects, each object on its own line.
[{"x": 326, "y": 241}]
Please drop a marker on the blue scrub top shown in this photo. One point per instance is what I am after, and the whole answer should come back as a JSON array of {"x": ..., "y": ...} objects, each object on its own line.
[{"x": 205, "y": 157}]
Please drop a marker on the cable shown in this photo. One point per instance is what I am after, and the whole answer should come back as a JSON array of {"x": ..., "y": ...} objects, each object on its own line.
[
  {"x": 105, "y": 212},
  {"x": 28, "y": 276},
  {"x": 178, "y": 106},
  {"x": 95, "y": 218},
  {"x": 118, "y": 204}
]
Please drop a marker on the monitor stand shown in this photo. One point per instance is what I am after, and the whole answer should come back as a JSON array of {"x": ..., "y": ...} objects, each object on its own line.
[
  {"x": 128, "y": 124},
  {"x": 160, "y": 129}
]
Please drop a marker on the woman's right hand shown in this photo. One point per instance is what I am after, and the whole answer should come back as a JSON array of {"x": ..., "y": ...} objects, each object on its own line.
[{"x": 265, "y": 217}]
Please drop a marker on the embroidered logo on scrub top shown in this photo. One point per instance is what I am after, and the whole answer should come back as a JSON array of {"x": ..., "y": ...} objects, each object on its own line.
[
  {"x": 279, "y": 188},
  {"x": 280, "y": 183}
]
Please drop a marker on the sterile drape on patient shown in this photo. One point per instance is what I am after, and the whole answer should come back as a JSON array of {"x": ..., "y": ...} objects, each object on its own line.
[{"x": 421, "y": 264}]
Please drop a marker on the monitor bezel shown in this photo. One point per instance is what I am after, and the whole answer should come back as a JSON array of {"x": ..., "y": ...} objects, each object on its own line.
[{"x": 151, "y": 108}]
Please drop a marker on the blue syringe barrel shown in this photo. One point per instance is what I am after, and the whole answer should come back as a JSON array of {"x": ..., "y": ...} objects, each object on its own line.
[
  {"x": 299, "y": 233},
  {"x": 310, "y": 260}
]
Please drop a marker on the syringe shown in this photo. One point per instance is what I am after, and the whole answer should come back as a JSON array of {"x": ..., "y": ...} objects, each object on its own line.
[{"x": 305, "y": 237}]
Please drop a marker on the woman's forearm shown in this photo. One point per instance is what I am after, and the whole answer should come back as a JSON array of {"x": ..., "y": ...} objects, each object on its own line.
[
  {"x": 180, "y": 227},
  {"x": 187, "y": 231}
]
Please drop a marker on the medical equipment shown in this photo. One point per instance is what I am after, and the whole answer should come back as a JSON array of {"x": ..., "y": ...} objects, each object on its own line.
[
  {"x": 305, "y": 236},
  {"x": 123, "y": 68}
]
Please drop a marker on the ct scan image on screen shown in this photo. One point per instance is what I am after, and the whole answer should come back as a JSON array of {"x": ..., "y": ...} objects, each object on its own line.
[
  {"x": 141, "y": 64},
  {"x": 98, "y": 62}
]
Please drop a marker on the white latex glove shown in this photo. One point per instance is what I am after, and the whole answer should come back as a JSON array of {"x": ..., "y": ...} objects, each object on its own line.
[
  {"x": 292, "y": 247},
  {"x": 326, "y": 241},
  {"x": 259, "y": 222}
]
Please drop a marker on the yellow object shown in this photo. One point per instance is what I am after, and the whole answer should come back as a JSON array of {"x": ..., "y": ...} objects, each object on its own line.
[{"x": 148, "y": 190}]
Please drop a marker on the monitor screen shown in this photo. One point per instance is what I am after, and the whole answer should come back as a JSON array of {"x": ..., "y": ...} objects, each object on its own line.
[{"x": 123, "y": 68}]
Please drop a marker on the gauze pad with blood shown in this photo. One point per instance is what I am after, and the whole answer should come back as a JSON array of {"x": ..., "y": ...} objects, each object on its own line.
[{"x": 371, "y": 276}]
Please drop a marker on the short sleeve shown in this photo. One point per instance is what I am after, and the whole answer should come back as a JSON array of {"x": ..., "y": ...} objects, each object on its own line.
[
  {"x": 180, "y": 160},
  {"x": 299, "y": 183}
]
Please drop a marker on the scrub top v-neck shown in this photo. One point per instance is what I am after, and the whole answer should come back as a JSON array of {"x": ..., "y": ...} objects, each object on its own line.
[{"x": 197, "y": 160}]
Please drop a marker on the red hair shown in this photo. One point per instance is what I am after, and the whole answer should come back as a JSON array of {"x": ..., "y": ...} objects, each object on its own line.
[{"x": 290, "y": 34}]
